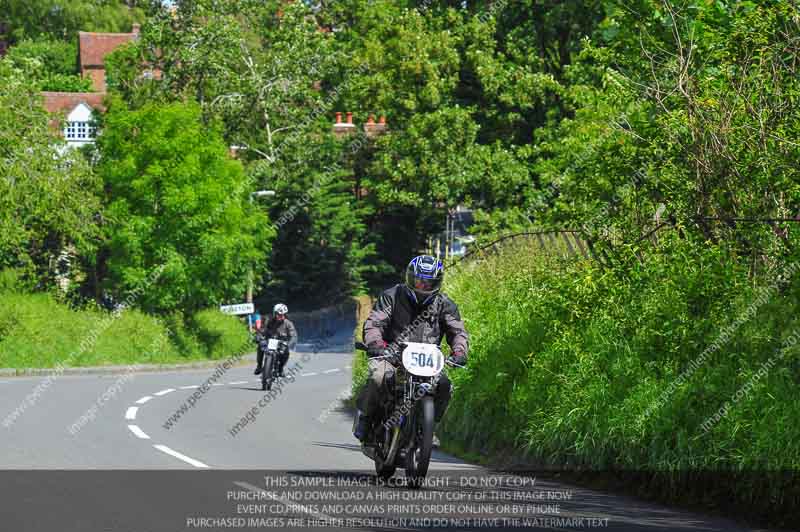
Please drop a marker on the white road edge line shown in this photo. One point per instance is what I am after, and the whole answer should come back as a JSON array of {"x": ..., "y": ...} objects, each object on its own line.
[
  {"x": 144, "y": 399},
  {"x": 308, "y": 374},
  {"x": 294, "y": 506},
  {"x": 179, "y": 456},
  {"x": 334, "y": 370},
  {"x": 218, "y": 384},
  {"x": 131, "y": 413},
  {"x": 192, "y": 387},
  {"x": 138, "y": 432},
  {"x": 164, "y": 392},
  {"x": 238, "y": 382}
]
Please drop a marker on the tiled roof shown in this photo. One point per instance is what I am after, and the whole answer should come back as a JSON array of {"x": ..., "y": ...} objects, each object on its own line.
[
  {"x": 93, "y": 47},
  {"x": 64, "y": 102}
]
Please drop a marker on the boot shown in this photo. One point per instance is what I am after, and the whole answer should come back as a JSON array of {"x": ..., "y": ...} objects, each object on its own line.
[
  {"x": 362, "y": 427},
  {"x": 258, "y": 370}
]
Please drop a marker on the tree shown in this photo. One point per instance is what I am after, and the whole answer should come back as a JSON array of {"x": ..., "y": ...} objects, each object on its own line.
[
  {"x": 322, "y": 252},
  {"x": 49, "y": 197},
  {"x": 177, "y": 201},
  {"x": 61, "y": 20},
  {"x": 52, "y": 64}
]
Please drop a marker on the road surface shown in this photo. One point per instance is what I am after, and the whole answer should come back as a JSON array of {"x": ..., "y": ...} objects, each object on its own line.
[{"x": 161, "y": 451}]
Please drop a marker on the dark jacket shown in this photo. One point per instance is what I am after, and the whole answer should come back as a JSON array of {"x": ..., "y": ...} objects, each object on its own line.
[
  {"x": 396, "y": 317},
  {"x": 280, "y": 330}
]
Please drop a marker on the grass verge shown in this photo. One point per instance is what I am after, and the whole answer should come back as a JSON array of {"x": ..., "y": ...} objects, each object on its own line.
[
  {"x": 36, "y": 331},
  {"x": 584, "y": 369}
]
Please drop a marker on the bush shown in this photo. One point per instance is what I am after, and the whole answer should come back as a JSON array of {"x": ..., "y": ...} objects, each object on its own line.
[
  {"x": 220, "y": 335},
  {"x": 572, "y": 366}
]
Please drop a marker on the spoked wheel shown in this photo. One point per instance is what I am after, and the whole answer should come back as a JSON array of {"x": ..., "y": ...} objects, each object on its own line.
[
  {"x": 419, "y": 455},
  {"x": 266, "y": 375}
]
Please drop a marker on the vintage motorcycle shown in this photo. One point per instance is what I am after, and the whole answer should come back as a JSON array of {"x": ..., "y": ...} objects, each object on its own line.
[
  {"x": 404, "y": 435},
  {"x": 271, "y": 349}
]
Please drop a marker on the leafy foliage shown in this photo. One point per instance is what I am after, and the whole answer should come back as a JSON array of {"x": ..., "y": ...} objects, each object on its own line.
[
  {"x": 49, "y": 197},
  {"x": 176, "y": 200},
  {"x": 61, "y": 20}
]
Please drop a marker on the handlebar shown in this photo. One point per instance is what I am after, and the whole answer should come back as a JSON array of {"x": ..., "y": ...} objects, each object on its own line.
[{"x": 360, "y": 346}]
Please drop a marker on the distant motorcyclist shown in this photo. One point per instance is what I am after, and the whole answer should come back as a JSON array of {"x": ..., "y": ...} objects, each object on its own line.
[
  {"x": 281, "y": 328},
  {"x": 414, "y": 311}
]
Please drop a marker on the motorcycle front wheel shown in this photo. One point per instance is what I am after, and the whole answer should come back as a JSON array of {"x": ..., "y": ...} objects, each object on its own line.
[
  {"x": 267, "y": 374},
  {"x": 419, "y": 454}
]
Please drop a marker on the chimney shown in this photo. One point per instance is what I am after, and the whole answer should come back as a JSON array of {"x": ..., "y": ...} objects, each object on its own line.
[
  {"x": 343, "y": 128},
  {"x": 371, "y": 129}
]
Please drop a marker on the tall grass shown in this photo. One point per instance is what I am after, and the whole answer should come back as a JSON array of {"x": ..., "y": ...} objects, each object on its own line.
[
  {"x": 568, "y": 363},
  {"x": 38, "y": 331}
]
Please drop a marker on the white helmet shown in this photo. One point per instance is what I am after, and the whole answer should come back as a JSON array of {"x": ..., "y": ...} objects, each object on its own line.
[{"x": 280, "y": 308}]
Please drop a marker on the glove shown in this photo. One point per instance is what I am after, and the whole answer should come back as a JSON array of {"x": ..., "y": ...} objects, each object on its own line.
[
  {"x": 373, "y": 352},
  {"x": 458, "y": 358},
  {"x": 376, "y": 350}
]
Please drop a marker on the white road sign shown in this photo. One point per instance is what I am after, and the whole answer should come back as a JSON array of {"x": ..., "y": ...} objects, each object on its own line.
[{"x": 241, "y": 308}]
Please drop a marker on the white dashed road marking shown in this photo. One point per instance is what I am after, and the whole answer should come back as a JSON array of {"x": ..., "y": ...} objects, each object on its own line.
[
  {"x": 130, "y": 414},
  {"x": 179, "y": 456},
  {"x": 138, "y": 432}
]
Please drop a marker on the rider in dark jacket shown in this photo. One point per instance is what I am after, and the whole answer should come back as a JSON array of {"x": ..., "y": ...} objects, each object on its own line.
[
  {"x": 415, "y": 311},
  {"x": 280, "y": 328}
]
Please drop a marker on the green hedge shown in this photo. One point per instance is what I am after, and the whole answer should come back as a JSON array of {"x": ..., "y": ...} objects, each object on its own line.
[
  {"x": 571, "y": 366},
  {"x": 38, "y": 331}
]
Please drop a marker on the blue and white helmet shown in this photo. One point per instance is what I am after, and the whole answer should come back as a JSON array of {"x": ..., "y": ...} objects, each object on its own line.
[{"x": 424, "y": 276}]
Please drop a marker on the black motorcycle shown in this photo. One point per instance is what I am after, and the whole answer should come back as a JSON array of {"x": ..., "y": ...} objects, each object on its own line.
[
  {"x": 403, "y": 437},
  {"x": 271, "y": 349}
]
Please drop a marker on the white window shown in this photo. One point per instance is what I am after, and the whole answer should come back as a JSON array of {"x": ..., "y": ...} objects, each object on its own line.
[{"x": 78, "y": 129}]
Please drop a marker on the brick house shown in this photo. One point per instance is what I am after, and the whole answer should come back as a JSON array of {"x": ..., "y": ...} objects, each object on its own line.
[
  {"x": 93, "y": 49},
  {"x": 76, "y": 108}
]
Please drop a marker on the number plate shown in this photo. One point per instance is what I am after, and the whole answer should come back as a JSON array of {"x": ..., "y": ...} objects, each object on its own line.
[
  {"x": 273, "y": 344},
  {"x": 423, "y": 360}
]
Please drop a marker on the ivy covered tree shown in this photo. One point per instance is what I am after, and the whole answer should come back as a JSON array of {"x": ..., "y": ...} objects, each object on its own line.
[{"x": 49, "y": 196}]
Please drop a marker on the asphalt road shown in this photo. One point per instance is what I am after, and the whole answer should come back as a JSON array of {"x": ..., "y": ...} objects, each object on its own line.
[{"x": 105, "y": 457}]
